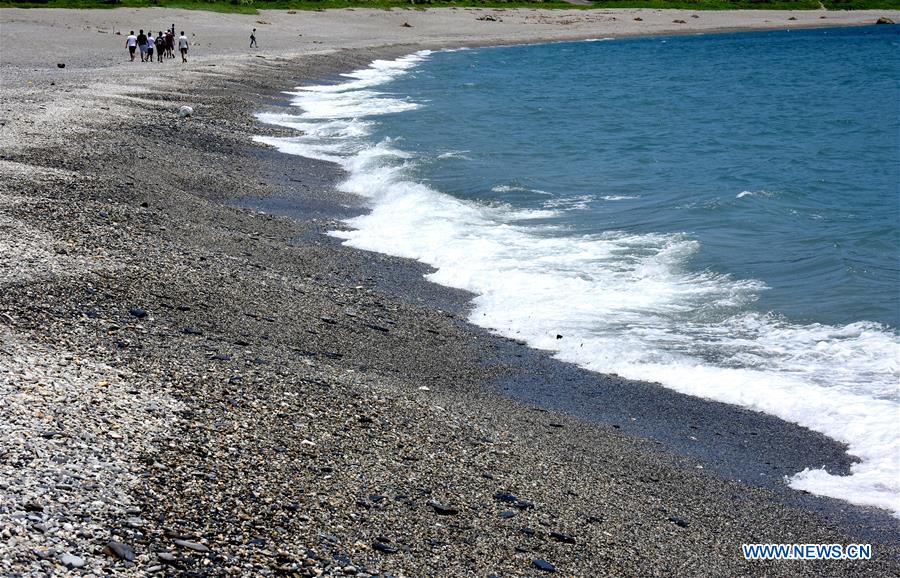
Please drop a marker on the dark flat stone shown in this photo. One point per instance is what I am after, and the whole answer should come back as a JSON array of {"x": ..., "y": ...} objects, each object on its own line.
[
  {"x": 441, "y": 509},
  {"x": 382, "y": 547},
  {"x": 561, "y": 537},
  {"x": 121, "y": 551},
  {"x": 679, "y": 521},
  {"x": 195, "y": 546},
  {"x": 167, "y": 557}
]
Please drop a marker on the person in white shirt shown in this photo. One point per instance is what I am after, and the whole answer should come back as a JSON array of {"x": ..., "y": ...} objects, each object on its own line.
[
  {"x": 183, "y": 46},
  {"x": 131, "y": 44},
  {"x": 151, "y": 44}
]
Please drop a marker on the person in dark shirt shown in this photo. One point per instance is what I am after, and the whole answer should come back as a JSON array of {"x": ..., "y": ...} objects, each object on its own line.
[
  {"x": 170, "y": 44},
  {"x": 160, "y": 46},
  {"x": 142, "y": 44}
]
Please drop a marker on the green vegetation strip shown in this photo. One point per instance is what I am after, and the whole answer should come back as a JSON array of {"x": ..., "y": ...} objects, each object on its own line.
[{"x": 252, "y": 6}]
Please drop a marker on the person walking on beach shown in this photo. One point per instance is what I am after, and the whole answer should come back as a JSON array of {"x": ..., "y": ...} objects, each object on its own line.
[
  {"x": 131, "y": 44},
  {"x": 151, "y": 44},
  {"x": 160, "y": 46},
  {"x": 142, "y": 44},
  {"x": 170, "y": 44},
  {"x": 253, "y": 39},
  {"x": 183, "y": 46}
]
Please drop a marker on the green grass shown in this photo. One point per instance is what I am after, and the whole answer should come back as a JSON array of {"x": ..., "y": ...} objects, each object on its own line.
[
  {"x": 251, "y": 6},
  {"x": 862, "y": 4},
  {"x": 751, "y": 4},
  {"x": 712, "y": 4}
]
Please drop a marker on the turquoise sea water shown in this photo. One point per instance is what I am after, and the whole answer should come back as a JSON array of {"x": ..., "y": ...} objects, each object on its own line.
[
  {"x": 717, "y": 213},
  {"x": 777, "y": 152}
]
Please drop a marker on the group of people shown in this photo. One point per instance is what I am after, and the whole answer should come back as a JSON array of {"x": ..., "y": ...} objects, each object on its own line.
[{"x": 163, "y": 45}]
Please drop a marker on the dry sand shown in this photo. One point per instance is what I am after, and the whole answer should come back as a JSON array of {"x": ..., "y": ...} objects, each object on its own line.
[
  {"x": 95, "y": 38},
  {"x": 192, "y": 387}
]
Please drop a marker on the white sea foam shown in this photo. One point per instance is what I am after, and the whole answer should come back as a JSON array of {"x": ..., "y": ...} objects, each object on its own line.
[
  {"x": 576, "y": 203},
  {"x": 508, "y": 188},
  {"x": 743, "y": 194},
  {"x": 625, "y": 303},
  {"x": 517, "y": 188},
  {"x": 379, "y": 72},
  {"x": 460, "y": 155},
  {"x": 620, "y": 197}
]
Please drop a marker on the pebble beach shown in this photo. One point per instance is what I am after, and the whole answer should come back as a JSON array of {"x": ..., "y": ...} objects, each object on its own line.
[{"x": 195, "y": 380}]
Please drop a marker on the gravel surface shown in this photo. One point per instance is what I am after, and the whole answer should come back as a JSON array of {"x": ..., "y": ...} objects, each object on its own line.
[
  {"x": 70, "y": 428},
  {"x": 193, "y": 387}
]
